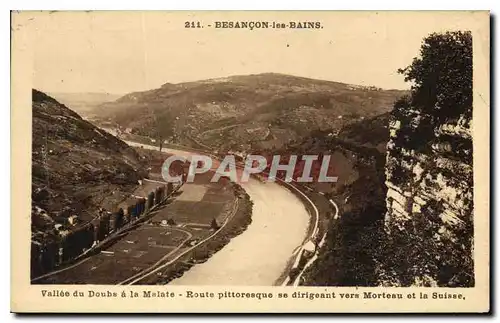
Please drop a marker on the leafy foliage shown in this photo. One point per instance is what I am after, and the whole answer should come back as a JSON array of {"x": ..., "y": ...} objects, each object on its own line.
[
  {"x": 413, "y": 255},
  {"x": 352, "y": 243},
  {"x": 441, "y": 90},
  {"x": 442, "y": 75},
  {"x": 164, "y": 126},
  {"x": 246, "y": 112}
]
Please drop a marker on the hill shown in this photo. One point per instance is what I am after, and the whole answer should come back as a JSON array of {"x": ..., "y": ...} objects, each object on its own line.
[
  {"x": 370, "y": 132},
  {"x": 76, "y": 167},
  {"x": 243, "y": 113},
  {"x": 357, "y": 149}
]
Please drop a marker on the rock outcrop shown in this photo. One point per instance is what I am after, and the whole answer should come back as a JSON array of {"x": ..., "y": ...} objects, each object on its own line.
[
  {"x": 429, "y": 174},
  {"x": 429, "y": 180}
]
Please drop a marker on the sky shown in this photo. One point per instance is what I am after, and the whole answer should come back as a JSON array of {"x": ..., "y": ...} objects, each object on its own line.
[{"x": 121, "y": 52}]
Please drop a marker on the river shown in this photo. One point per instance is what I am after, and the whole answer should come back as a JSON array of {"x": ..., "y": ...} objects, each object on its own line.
[{"x": 260, "y": 254}]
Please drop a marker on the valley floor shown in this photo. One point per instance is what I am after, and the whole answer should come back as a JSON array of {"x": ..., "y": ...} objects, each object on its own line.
[{"x": 154, "y": 242}]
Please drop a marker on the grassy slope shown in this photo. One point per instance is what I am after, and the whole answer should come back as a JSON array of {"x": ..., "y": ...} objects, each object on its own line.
[{"x": 76, "y": 168}]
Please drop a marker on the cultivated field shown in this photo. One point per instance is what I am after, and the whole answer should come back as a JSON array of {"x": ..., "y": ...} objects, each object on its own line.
[{"x": 182, "y": 223}]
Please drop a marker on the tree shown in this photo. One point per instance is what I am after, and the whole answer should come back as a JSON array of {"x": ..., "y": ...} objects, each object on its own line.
[
  {"x": 120, "y": 218},
  {"x": 157, "y": 195},
  {"x": 150, "y": 201},
  {"x": 163, "y": 127},
  {"x": 214, "y": 224},
  {"x": 442, "y": 75}
]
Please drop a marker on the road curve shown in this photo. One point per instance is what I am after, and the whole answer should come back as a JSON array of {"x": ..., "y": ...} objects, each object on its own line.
[{"x": 297, "y": 280}]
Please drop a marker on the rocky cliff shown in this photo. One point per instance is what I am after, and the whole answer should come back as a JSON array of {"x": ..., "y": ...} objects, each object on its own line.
[
  {"x": 429, "y": 174},
  {"x": 429, "y": 199}
]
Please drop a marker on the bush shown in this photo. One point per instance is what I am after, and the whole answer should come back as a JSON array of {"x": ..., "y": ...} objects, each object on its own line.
[
  {"x": 214, "y": 225},
  {"x": 412, "y": 254}
]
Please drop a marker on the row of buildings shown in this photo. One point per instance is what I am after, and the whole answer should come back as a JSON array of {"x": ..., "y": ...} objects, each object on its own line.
[{"x": 70, "y": 245}]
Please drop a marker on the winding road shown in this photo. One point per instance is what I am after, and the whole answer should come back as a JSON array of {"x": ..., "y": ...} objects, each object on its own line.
[{"x": 297, "y": 280}]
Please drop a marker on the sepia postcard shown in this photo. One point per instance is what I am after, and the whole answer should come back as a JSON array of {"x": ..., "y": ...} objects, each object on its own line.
[{"x": 243, "y": 162}]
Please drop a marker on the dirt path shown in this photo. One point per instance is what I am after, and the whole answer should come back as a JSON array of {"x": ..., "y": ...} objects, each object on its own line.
[{"x": 201, "y": 134}]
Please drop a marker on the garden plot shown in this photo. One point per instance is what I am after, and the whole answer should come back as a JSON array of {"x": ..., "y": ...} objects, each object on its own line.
[
  {"x": 192, "y": 193},
  {"x": 137, "y": 251},
  {"x": 194, "y": 212}
]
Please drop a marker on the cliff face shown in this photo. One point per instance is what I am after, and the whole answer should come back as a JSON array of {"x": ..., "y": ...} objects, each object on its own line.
[{"x": 429, "y": 199}]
